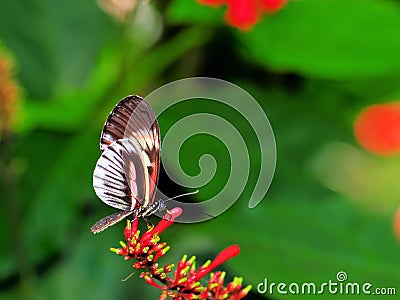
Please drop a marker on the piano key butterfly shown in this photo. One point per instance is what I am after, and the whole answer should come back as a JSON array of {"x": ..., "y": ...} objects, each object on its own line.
[{"x": 126, "y": 174}]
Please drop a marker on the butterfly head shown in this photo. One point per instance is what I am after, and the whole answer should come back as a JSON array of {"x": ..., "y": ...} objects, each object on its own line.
[{"x": 162, "y": 205}]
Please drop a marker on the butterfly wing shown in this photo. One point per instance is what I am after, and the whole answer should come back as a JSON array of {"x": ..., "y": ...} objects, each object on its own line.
[
  {"x": 118, "y": 166},
  {"x": 133, "y": 120}
]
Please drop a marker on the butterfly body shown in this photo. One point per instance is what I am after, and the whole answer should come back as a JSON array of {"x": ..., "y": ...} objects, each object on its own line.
[{"x": 126, "y": 174}]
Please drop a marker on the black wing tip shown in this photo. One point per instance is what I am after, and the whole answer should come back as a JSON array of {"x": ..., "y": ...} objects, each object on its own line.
[
  {"x": 136, "y": 99},
  {"x": 124, "y": 104},
  {"x": 130, "y": 97}
]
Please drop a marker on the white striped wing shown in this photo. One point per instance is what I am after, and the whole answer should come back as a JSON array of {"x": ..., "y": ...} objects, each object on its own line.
[{"x": 121, "y": 177}]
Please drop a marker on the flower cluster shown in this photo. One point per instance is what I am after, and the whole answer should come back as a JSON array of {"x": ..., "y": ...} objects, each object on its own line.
[
  {"x": 244, "y": 14},
  {"x": 185, "y": 282}
]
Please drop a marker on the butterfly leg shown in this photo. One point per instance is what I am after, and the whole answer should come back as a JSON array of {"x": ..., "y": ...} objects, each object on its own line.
[{"x": 148, "y": 223}]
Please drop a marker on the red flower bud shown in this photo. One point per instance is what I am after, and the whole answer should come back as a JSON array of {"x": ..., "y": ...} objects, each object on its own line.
[
  {"x": 163, "y": 224},
  {"x": 150, "y": 280},
  {"x": 222, "y": 257}
]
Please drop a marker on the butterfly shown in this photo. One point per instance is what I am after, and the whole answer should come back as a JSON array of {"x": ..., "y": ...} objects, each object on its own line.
[{"x": 126, "y": 174}]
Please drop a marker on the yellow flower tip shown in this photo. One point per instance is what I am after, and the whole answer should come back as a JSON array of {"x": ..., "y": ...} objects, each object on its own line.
[
  {"x": 184, "y": 258},
  {"x": 115, "y": 250},
  {"x": 237, "y": 281},
  {"x": 137, "y": 233},
  {"x": 149, "y": 227},
  {"x": 206, "y": 264},
  {"x": 165, "y": 250},
  {"x": 185, "y": 270},
  {"x": 192, "y": 259},
  {"x": 193, "y": 268},
  {"x": 248, "y": 288},
  {"x": 182, "y": 280},
  {"x": 168, "y": 268},
  {"x": 146, "y": 249},
  {"x": 222, "y": 276},
  {"x": 122, "y": 244},
  {"x": 213, "y": 285},
  {"x": 155, "y": 239},
  {"x": 243, "y": 293},
  {"x": 199, "y": 289}
]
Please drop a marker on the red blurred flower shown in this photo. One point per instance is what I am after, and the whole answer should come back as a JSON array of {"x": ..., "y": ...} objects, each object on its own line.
[
  {"x": 244, "y": 14},
  {"x": 185, "y": 283},
  {"x": 377, "y": 128}
]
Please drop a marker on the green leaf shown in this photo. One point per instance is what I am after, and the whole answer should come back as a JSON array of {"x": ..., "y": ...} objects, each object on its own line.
[
  {"x": 330, "y": 39},
  {"x": 70, "y": 110},
  {"x": 55, "y": 43}
]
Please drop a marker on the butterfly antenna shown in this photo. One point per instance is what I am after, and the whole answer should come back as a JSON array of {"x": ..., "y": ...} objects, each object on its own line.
[
  {"x": 164, "y": 201},
  {"x": 182, "y": 195}
]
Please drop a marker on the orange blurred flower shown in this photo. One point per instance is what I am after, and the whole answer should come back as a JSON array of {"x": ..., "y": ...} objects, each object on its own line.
[
  {"x": 9, "y": 92},
  {"x": 377, "y": 128},
  {"x": 244, "y": 14}
]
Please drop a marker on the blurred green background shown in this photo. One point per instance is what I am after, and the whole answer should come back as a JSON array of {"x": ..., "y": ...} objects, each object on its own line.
[{"x": 312, "y": 67}]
